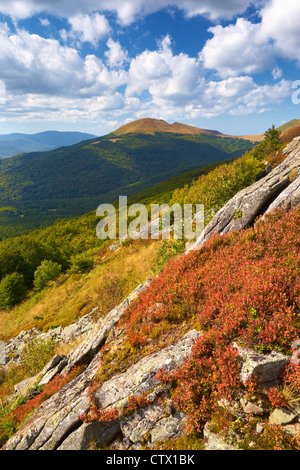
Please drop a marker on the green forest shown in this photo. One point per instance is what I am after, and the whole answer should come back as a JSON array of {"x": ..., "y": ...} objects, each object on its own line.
[{"x": 38, "y": 188}]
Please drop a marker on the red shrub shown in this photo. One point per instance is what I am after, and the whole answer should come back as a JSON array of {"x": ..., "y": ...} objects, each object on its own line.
[{"x": 245, "y": 287}]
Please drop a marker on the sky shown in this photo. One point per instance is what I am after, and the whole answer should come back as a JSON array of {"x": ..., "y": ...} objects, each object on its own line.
[{"x": 95, "y": 65}]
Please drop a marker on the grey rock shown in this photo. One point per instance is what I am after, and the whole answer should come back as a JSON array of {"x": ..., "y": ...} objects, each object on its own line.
[
  {"x": 97, "y": 433},
  {"x": 170, "y": 427},
  {"x": 292, "y": 429},
  {"x": 2, "y": 353},
  {"x": 215, "y": 441},
  {"x": 289, "y": 198},
  {"x": 281, "y": 416},
  {"x": 140, "y": 378},
  {"x": 251, "y": 408},
  {"x": 23, "y": 387},
  {"x": 141, "y": 422},
  {"x": 89, "y": 348},
  {"x": 53, "y": 424},
  {"x": 265, "y": 367},
  {"x": 256, "y": 199}
]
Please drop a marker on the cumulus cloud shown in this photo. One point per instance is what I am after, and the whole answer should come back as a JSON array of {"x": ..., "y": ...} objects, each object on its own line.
[
  {"x": 237, "y": 49},
  {"x": 116, "y": 55},
  {"x": 33, "y": 64},
  {"x": 249, "y": 48},
  {"x": 127, "y": 10},
  {"x": 177, "y": 86},
  {"x": 89, "y": 28},
  {"x": 279, "y": 23},
  {"x": 167, "y": 77}
]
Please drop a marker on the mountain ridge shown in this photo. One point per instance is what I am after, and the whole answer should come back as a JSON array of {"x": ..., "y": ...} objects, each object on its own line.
[
  {"x": 16, "y": 143},
  {"x": 152, "y": 126}
]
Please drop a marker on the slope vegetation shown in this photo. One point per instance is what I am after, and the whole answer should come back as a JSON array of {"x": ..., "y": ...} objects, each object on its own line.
[{"x": 39, "y": 188}]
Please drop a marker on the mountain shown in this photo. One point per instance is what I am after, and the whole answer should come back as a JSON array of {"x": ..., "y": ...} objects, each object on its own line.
[
  {"x": 288, "y": 125},
  {"x": 39, "y": 187},
  {"x": 153, "y": 126},
  {"x": 13, "y": 144},
  {"x": 200, "y": 355}
]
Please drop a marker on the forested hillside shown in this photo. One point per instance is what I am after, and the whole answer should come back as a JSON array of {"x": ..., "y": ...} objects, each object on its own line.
[{"x": 39, "y": 188}]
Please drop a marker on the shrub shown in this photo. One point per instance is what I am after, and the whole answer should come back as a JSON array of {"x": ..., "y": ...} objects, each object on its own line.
[
  {"x": 241, "y": 287},
  {"x": 47, "y": 271},
  {"x": 12, "y": 290},
  {"x": 81, "y": 264},
  {"x": 167, "y": 250},
  {"x": 36, "y": 355}
]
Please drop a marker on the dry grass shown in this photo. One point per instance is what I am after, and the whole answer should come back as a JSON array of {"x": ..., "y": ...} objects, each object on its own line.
[{"x": 111, "y": 280}]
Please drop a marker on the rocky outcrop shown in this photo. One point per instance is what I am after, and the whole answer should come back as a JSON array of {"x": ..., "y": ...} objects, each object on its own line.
[
  {"x": 278, "y": 188},
  {"x": 56, "y": 424},
  {"x": 265, "y": 367},
  {"x": 77, "y": 331}
]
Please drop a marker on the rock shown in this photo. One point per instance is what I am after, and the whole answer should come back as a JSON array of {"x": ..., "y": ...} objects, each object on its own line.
[
  {"x": 251, "y": 408},
  {"x": 2, "y": 353},
  {"x": 53, "y": 424},
  {"x": 259, "y": 427},
  {"x": 140, "y": 378},
  {"x": 214, "y": 441},
  {"x": 141, "y": 422},
  {"x": 281, "y": 416},
  {"x": 88, "y": 349},
  {"x": 14, "y": 347},
  {"x": 170, "y": 427},
  {"x": 51, "y": 369},
  {"x": 242, "y": 210},
  {"x": 22, "y": 387},
  {"x": 292, "y": 429},
  {"x": 97, "y": 433},
  {"x": 289, "y": 198},
  {"x": 265, "y": 367}
]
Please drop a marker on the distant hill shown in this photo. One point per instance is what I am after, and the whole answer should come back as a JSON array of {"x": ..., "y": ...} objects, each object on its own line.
[
  {"x": 39, "y": 187},
  {"x": 288, "y": 125},
  {"x": 153, "y": 126},
  {"x": 13, "y": 144}
]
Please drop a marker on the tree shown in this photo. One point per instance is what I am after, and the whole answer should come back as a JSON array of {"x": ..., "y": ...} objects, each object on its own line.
[
  {"x": 47, "y": 271},
  {"x": 272, "y": 138},
  {"x": 12, "y": 290}
]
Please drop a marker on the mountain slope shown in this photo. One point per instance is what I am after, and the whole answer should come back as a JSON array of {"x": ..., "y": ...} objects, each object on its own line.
[
  {"x": 13, "y": 144},
  {"x": 287, "y": 125},
  {"x": 171, "y": 364},
  {"x": 38, "y": 188}
]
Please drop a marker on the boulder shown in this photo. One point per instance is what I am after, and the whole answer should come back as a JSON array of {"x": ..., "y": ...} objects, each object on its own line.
[
  {"x": 57, "y": 424},
  {"x": 242, "y": 210},
  {"x": 265, "y": 367},
  {"x": 281, "y": 417}
]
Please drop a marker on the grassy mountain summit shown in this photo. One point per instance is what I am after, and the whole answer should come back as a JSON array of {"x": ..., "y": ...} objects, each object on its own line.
[
  {"x": 152, "y": 126},
  {"x": 40, "y": 187}
]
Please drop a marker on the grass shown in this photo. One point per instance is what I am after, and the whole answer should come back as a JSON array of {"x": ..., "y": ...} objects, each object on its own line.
[{"x": 105, "y": 286}]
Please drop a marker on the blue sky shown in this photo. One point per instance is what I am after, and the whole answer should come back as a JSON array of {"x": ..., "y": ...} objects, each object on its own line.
[{"x": 94, "y": 65}]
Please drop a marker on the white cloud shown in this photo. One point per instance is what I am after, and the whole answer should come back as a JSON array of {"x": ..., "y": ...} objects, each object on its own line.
[
  {"x": 127, "y": 10},
  {"x": 89, "y": 28},
  {"x": 167, "y": 77},
  {"x": 249, "y": 48},
  {"x": 44, "y": 22},
  {"x": 237, "y": 49},
  {"x": 32, "y": 64},
  {"x": 116, "y": 56},
  {"x": 277, "y": 73},
  {"x": 280, "y": 24}
]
